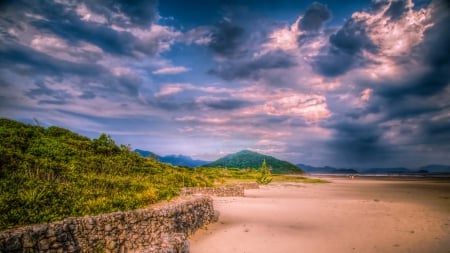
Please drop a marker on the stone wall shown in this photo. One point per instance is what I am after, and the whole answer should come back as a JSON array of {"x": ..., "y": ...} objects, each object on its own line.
[
  {"x": 162, "y": 228},
  {"x": 226, "y": 191}
]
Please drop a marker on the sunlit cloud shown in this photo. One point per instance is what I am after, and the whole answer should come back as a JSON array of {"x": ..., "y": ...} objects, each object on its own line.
[{"x": 170, "y": 70}]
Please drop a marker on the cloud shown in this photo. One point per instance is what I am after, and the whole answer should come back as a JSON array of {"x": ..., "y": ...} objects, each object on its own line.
[
  {"x": 312, "y": 108},
  {"x": 253, "y": 68},
  {"x": 357, "y": 143},
  {"x": 47, "y": 95},
  {"x": 170, "y": 70},
  {"x": 315, "y": 16},
  {"x": 401, "y": 84},
  {"x": 126, "y": 13},
  {"x": 41, "y": 63},
  {"x": 201, "y": 35},
  {"x": 222, "y": 104},
  {"x": 227, "y": 39},
  {"x": 119, "y": 29},
  {"x": 345, "y": 49}
]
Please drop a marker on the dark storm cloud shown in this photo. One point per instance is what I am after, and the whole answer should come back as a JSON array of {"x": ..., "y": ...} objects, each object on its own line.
[
  {"x": 63, "y": 21},
  {"x": 251, "y": 69},
  {"x": 427, "y": 84},
  {"x": 314, "y": 18},
  {"x": 396, "y": 9},
  {"x": 227, "y": 39},
  {"x": 172, "y": 103},
  {"x": 41, "y": 90},
  {"x": 434, "y": 54},
  {"x": 73, "y": 30},
  {"x": 436, "y": 132},
  {"x": 334, "y": 63},
  {"x": 356, "y": 142},
  {"x": 344, "y": 51},
  {"x": 24, "y": 59},
  {"x": 352, "y": 38},
  {"x": 109, "y": 40},
  {"x": 225, "y": 104},
  {"x": 412, "y": 108}
]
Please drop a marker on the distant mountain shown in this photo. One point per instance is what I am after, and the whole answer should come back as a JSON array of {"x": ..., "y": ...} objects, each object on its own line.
[
  {"x": 436, "y": 168},
  {"x": 146, "y": 153},
  {"x": 249, "y": 159},
  {"x": 325, "y": 170},
  {"x": 176, "y": 160},
  {"x": 181, "y": 160},
  {"x": 396, "y": 170}
]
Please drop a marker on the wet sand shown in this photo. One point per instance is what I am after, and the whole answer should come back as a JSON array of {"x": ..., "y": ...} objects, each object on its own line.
[{"x": 360, "y": 215}]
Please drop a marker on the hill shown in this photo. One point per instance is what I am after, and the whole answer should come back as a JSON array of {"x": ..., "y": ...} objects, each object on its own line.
[
  {"x": 49, "y": 174},
  {"x": 175, "y": 160},
  {"x": 248, "y": 159}
]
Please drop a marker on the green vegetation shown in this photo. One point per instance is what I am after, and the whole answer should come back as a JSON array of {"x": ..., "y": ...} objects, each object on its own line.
[
  {"x": 265, "y": 176},
  {"x": 49, "y": 174},
  {"x": 297, "y": 179},
  {"x": 246, "y": 159}
]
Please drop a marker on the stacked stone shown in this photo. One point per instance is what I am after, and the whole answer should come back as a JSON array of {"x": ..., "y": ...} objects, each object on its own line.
[
  {"x": 227, "y": 191},
  {"x": 160, "y": 229}
]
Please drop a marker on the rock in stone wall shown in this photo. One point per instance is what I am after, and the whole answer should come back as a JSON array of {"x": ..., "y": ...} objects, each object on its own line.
[
  {"x": 159, "y": 229},
  {"x": 226, "y": 191}
]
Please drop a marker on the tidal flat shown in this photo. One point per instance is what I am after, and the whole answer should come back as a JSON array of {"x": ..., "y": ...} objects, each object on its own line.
[{"x": 360, "y": 215}]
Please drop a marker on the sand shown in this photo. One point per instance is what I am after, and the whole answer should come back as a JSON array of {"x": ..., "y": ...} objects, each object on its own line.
[{"x": 342, "y": 216}]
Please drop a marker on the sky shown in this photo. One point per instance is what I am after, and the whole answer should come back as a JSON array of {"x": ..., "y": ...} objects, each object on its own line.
[{"x": 341, "y": 83}]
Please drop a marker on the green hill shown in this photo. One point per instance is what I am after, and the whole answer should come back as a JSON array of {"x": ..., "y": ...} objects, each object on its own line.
[
  {"x": 49, "y": 174},
  {"x": 248, "y": 159}
]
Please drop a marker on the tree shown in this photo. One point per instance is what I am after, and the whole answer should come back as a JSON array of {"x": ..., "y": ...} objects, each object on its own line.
[
  {"x": 105, "y": 145},
  {"x": 265, "y": 176}
]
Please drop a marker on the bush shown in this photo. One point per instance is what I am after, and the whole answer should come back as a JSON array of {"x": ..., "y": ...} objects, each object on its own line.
[{"x": 265, "y": 176}]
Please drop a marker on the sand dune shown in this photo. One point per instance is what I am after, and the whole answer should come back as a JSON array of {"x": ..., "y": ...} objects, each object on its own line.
[{"x": 342, "y": 216}]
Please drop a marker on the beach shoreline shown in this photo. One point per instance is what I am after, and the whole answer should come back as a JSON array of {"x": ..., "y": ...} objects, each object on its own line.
[{"x": 362, "y": 215}]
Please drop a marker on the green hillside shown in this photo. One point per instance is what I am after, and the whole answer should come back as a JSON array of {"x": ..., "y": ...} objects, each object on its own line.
[
  {"x": 246, "y": 159},
  {"x": 48, "y": 174}
]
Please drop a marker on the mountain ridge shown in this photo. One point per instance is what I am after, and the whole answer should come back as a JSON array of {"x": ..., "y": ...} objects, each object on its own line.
[
  {"x": 250, "y": 159},
  {"x": 175, "y": 160},
  {"x": 430, "y": 169}
]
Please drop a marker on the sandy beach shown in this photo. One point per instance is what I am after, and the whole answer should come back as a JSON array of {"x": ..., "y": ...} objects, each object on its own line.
[{"x": 361, "y": 215}]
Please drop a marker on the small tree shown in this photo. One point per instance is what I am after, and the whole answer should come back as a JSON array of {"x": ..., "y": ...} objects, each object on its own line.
[{"x": 265, "y": 176}]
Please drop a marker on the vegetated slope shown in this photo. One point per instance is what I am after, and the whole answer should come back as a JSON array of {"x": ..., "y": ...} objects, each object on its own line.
[
  {"x": 249, "y": 159},
  {"x": 49, "y": 174}
]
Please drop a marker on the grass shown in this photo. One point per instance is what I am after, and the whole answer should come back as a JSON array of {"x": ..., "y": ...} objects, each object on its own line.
[
  {"x": 223, "y": 177},
  {"x": 298, "y": 179}
]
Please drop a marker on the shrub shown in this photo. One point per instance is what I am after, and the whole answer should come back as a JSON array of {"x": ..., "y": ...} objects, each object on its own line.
[{"x": 265, "y": 176}]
